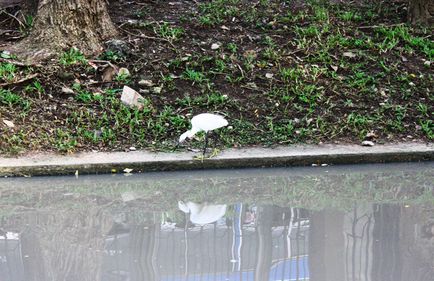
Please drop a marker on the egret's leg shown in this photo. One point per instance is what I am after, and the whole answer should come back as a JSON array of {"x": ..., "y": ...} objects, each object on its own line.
[
  {"x": 206, "y": 143},
  {"x": 176, "y": 147}
]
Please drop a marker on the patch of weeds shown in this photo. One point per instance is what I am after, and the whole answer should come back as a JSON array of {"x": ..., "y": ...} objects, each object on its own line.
[
  {"x": 28, "y": 24},
  {"x": 11, "y": 99},
  {"x": 291, "y": 74},
  {"x": 281, "y": 130},
  {"x": 216, "y": 11},
  {"x": 168, "y": 32},
  {"x": 216, "y": 99},
  {"x": 193, "y": 75},
  {"x": 423, "y": 109},
  {"x": 350, "y": 16},
  {"x": 321, "y": 14},
  {"x": 72, "y": 56},
  {"x": 35, "y": 87},
  {"x": 391, "y": 36},
  {"x": 65, "y": 142},
  {"x": 168, "y": 82},
  {"x": 8, "y": 71},
  {"x": 428, "y": 128},
  {"x": 112, "y": 56},
  {"x": 220, "y": 66},
  {"x": 232, "y": 47},
  {"x": 310, "y": 31},
  {"x": 83, "y": 95},
  {"x": 123, "y": 78},
  {"x": 360, "y": 80}
]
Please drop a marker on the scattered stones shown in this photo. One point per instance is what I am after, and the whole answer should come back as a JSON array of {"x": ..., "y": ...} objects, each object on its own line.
[
  {"x": 146, "y": 83},
  {"x": 368, "y": 143},
  {"x": 8, "y": 123},
  {"x": 269, "y": 75},
  {"x": 132, "y": 148},
  {"x": 131, "y": 98}
]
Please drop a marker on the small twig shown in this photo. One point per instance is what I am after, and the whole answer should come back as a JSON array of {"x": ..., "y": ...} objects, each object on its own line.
[
  {"x": 141, "y": 35},
  {"x": 20, "y": 81},
  {"x": 104, "y": 61}
]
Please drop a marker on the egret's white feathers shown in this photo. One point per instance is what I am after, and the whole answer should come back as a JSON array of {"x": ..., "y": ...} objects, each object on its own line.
[
  {"x": 208, "y": 122},
  {"x": 204, "y": 122},
  {"x": 202, "y": 214}
]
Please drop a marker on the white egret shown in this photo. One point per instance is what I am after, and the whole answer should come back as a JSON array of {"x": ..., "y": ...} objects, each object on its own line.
[
  {"x": 204, "y": 122},
  {"x": 202, "y": 214}
]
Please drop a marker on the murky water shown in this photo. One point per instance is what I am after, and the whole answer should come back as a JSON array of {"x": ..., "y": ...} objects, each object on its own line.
[{"x": 367, "y": 222}]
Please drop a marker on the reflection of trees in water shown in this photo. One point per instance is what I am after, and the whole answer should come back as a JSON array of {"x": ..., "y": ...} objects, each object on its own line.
[
  {"x": 64, "y": 245},
  {"x": 371, "y": 242}
]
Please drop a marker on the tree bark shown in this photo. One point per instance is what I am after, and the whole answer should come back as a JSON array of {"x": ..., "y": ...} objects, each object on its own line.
[
  {"x": 421, "y": 11},
  {"x": 62, "y": 24}
]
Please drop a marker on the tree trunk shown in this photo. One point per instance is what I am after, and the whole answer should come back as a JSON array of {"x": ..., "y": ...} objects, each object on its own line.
[
  {"x": 421, "y": 11},
  {"x": 62, "y": 24}
]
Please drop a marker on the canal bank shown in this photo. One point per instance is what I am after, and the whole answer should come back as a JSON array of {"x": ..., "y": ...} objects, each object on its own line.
[{"x": 145, "y": 161}]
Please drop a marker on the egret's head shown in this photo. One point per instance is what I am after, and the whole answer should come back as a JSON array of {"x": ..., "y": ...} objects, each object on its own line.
[{"x": 183, "y": 207}]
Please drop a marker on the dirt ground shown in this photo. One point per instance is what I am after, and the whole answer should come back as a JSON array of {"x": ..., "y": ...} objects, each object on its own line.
[{"x": 281, "y": 72}]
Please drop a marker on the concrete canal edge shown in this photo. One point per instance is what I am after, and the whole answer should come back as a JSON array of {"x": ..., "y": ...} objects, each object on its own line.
[{"x": 145, "y": 161}]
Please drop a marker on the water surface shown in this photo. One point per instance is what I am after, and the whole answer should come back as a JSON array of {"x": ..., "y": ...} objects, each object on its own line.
[{"x": 366, "y": 222}]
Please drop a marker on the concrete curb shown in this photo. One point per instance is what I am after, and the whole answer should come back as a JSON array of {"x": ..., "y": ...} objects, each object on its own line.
[{"x": 144, "y": 161}]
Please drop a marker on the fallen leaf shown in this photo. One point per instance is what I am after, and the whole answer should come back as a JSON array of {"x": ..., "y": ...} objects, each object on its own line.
[{"x": 108, "y": 73}]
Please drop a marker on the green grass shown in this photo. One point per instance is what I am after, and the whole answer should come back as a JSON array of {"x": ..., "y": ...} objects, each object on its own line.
[
  {"x": 285, "y": 73},
  {"x": 8, "y": 71},
  {"x": 71, "y": 57}
]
